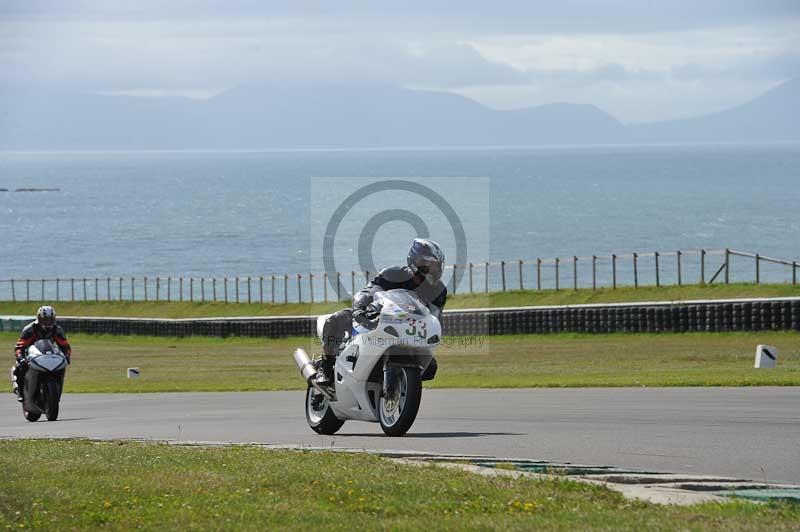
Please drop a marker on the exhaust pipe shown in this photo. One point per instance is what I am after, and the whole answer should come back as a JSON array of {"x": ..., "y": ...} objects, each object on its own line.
[{"x": 308, "y": 371}]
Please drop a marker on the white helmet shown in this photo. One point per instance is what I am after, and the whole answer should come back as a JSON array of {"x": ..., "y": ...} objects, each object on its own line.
[{"x": 46, "y": 317}]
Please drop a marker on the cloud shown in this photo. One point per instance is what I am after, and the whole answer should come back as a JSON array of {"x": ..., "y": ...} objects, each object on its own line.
[
  {"x": 478, "y": 16},
  {"x": 608, "y": 72},
  {"x": 780, "y": 66},
  {"x": 454, "y": 65}
]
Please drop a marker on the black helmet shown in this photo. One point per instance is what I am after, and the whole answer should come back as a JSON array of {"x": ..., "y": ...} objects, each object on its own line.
[{"x": 426, "y": 258}]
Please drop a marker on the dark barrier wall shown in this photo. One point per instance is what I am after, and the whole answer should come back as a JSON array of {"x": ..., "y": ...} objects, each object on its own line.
[{"x": 692, "y": 316}]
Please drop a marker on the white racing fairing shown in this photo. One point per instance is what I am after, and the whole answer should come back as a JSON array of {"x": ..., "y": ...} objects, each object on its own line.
[{"x": 398, "y": 349}]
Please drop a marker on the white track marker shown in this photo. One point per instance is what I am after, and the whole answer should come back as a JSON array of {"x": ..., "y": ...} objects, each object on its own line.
[{"x": 766, "y": 356}]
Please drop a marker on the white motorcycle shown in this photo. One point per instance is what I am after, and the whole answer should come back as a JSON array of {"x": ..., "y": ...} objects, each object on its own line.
[
  {"x": 378, "y": 373},
  {"x": 43, "y": 382}
]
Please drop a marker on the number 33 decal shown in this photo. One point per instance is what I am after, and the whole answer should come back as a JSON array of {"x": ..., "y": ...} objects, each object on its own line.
[{"x": 413, "y": 330}]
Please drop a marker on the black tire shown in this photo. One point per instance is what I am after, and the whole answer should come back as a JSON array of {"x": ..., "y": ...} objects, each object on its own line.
[
  {"x": 321, "y": 420},
  {"x": 406, "y": 412},
  {"x": 30, "y": 416},
  {"x": 51, "y": 399}
]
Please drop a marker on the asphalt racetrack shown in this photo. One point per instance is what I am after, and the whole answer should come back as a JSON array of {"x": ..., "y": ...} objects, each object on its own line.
[{"x": 748, "y": 433}]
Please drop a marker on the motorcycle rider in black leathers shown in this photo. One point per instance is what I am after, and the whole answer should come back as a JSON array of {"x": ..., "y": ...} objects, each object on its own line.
[
  {"x": 422, "y": 274},
  {"x": 43, "y": 328}
]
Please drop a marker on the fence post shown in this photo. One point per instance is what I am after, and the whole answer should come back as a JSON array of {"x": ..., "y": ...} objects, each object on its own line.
[
  {"x": 538, "y": 274},
  {"x": 58, "y": 289},
  {"x": 680, "y": 276},
  {"x": 120, "y": 289},
  {"x": 727, "y": 265},
  {"x": 27, "y": 289},
  {"x": 594, "y": 272},
  {"x": 158, "y": 288},
  {"x": 71, "y": 288},
  {"x": 108, "y": 288},
  {"x": 169, "y": 288},
  {"x": 272, "y": 289},
  {"x": 203, "y": 289},
  {"x": 191, "y": 289},
  {"x": 758, "y": 268},
  {"x": 325, "y": 286},
  {"x": 558, "y": 261},
  {"x": 794, "y": 273},
  {"x": 454, "y": 279},
  {"x": 84, "y": 288},
  {"x": 486, "y": 277},
  {"x": 237, "y": 288},
  {"x": 635, "y": 270},
  {"x": 702, "y": 266},
  {"x": 366, "y": 277},
  {"x": 248, "y": 289},
  {"x": 521, "y": 283},
  {"x": 133, "y": 290},
  {"x": 43, "y": 298},
  {"x": 614, "y": 271},
  {"x": 145, "y": 288},
  {"x": 13, "y": 291},
  {"x": 225, "y": 283},
  {"x": 286, "y": 288},
  {"x": 214, "y": 289},
  {"x": 299, "y": 289},
  {"x": 311, "y": 287},
  {"x": 503, "y": 273},
  {"x": 658, "y": 277},
  {"x": 353, "y": 282},
  {"x": 574, "y": 272},
  {"x": 261, "y": 289},
  {"x": 180, "y": 288},
  {"x": 338, "y": 286},
  {"x": 470, "y": 278}
]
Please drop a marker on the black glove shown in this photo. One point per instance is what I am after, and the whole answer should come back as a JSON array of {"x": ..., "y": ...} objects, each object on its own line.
[
  {"x": 366, "y": 316},
  {"x": 374, "y": 310}
]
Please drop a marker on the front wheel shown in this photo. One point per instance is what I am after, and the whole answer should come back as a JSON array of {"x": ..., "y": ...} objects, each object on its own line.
[
  {"x": 398, "y": 411},
  {"x": 30, "y": 416},
  {"x": 319, "y": 415}
]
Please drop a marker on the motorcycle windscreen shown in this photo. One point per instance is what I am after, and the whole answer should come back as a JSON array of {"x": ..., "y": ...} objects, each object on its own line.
[
  {"x": 399, "y": 301},
  {"x": 46, "y": 347}
]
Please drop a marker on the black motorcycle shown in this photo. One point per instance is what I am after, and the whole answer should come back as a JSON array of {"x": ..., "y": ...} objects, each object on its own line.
[{"x": 44, "y": 379}]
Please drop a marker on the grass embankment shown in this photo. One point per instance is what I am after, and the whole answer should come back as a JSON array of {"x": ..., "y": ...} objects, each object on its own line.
[
  {"x": 174, "y": 309},
  {"x": 123, "y": 486},
  {"x": 564, "y": 360}
]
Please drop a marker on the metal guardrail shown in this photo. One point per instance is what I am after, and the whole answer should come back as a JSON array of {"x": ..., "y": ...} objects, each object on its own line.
[{"x": 596, "y": 271}]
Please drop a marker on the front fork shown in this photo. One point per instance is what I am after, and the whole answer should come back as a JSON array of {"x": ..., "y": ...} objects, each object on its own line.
[{"x": 389, "y": 380}]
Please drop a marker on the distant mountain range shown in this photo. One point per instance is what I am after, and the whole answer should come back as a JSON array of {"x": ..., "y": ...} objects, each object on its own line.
[{"x": 340, "y": 116}]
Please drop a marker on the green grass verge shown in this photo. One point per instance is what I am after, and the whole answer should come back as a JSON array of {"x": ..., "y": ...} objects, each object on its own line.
[
  {"x": 564, "y": 360},
  {"x": 174, "y": 309},
  {"x": 80, "y": 485}
]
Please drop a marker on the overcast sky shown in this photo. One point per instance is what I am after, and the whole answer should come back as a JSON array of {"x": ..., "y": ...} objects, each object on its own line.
[{"x": 639, "y": 60}]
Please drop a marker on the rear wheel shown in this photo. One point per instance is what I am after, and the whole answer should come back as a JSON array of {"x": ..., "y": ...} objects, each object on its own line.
[
  {"x": 51, "y": 399},
  {"x": 398, "y": 411},
  {"x": 319, "y": 415}
]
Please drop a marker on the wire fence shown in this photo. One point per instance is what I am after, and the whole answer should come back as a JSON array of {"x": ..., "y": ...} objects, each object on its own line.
[{"x": 560, "y": 273}]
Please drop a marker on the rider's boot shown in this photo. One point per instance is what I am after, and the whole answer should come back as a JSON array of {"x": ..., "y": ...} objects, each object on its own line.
[
  {"x": 325, "y": 371},
  {"x": 16, "y": 378}
]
